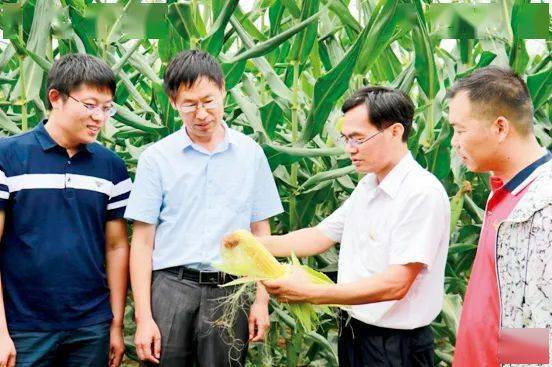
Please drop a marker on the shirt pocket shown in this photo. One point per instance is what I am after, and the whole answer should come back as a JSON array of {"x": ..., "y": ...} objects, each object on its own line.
[
  {"x": 236, "y": 193},
  {"x": 373, "y": 251},
  {"x": 238, "y": 205}
]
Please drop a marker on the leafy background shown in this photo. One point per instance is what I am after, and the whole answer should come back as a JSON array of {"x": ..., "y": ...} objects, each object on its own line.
[{"x": 289, "y": 64}]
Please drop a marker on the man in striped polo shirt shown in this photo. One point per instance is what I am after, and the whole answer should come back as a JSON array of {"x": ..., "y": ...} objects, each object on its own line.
[{"x": 64, "y": 249}]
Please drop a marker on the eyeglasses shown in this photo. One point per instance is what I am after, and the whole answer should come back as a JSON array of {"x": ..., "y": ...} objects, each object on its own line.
[
  {"x": 188, "y": 108},
  {"x": 355, "y": 143},
  {"x": 93, "y": 109}
]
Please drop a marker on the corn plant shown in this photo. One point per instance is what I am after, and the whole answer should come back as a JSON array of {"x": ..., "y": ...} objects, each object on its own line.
[{"x": 289, "y": 64}]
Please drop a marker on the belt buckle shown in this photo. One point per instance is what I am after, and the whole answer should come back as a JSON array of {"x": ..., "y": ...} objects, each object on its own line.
[{"x": 210, "y": 279}]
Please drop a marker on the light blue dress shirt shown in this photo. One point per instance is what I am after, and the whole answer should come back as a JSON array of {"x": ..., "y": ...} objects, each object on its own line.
[{"x": 196, "y": 197}]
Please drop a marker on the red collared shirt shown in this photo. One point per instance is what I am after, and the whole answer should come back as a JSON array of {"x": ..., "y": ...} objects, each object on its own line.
[
  {"x": 477, "y": 338},
  {"x": 478, "y": 333}
]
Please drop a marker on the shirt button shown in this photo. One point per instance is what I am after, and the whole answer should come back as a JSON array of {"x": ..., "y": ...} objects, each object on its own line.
[{"x": 68, "y": 162}]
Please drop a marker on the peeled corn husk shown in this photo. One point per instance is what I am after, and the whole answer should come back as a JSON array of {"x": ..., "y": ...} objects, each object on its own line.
[{"x": 244, "y": 256}]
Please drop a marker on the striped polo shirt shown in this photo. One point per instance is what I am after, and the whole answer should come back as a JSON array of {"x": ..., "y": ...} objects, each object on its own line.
[{"x": 52, "y": 252}]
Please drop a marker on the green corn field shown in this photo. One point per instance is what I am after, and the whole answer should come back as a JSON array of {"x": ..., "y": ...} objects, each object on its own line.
[{"x": 289, "y": 64}]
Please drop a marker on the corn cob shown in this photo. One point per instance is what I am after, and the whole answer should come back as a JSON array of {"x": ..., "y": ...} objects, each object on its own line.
[{"x": 244, "y": 256}]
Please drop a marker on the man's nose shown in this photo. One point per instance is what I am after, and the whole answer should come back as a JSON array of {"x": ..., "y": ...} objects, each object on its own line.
[
  {"x": 454, "y": 141},
  {"x": 350, "y": 149},
  {"x": 201, "y": 113}
]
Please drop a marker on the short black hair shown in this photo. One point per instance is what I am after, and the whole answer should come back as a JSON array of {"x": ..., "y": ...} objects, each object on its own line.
[
  {"x": 385, "y": 106},
  {"x": 496, "y": 91},
  {"x": 71, "y": 71},
  {"x": 187, "y": 67}
]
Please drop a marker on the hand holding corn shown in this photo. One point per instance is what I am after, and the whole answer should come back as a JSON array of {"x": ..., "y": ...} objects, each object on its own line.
[
  {"x": 294, "y": 287},
  {"x": 243, "y": 255}
]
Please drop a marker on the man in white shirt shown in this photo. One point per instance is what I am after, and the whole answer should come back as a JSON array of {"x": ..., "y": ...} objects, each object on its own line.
[{"x": 393, "y": 231}]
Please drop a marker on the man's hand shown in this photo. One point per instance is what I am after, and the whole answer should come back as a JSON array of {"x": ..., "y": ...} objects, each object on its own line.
[
  {"x": 259, "y": 321},
  {"x": 116, "y": 345},
  {"x": 295, "y": 287},
  {"x": 148, "y": 341},
  {"x": 7, "y": 351}
]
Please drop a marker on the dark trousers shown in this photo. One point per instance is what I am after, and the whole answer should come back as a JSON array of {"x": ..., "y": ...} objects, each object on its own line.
[
  {"x": 83, "y": 347},
  {"x": 187, "y": 314},
  {"x": 362, "y": 345}
]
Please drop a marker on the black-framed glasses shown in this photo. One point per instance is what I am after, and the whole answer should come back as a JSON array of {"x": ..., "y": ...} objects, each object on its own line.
[
  {"x": 355, "y": 143},
  {"x": 93, "y": 109}
]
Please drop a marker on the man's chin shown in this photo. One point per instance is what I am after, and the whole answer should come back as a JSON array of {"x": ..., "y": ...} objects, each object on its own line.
[
  {"x": 363, "y": 170},
  {"x": 209, "y": 130},
  {"x": 88, "y": 139},
  {"x": 474, "y": 168}
]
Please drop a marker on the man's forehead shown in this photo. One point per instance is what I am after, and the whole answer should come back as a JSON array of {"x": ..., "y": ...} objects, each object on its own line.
[
  {"x": 193, "y": 97},
  {"x": 96, "y": 93},
  {"x": 194, "y": 94},
  {"x": 355, "y": 121},
  {"x": 461, "y": 99}
]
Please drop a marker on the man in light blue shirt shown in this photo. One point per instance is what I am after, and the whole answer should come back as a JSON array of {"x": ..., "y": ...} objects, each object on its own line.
[{"x": 191, "y": 189}]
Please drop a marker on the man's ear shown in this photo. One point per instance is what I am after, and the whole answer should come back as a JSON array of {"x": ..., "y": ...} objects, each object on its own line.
[
  {"x": 55, "y": 98},
  {"x": 397, "y": 130},
  {"x": 172, "y": 102},
  {"x": 502, "y": 126}
]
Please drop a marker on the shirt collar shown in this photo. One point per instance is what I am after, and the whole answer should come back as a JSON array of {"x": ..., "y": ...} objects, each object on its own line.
[
  {"x": 229, "y": 138},
  {"x": 391, "y": 183},
  {"x": 48, "y": 143},
  {"x": 43, "y": 137},
  {"x": 526, "y": 175}
]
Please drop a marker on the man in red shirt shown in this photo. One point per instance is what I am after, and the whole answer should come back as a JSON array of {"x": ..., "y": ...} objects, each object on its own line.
[{"x": 492, "y": 116}]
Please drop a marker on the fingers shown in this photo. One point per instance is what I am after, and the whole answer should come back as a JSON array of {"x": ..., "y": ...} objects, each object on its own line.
[
  {"x": 157, "y": 346},
  {"x": 271, "y": 286},
  {"x": 148, "y": 342},
  {"x": 251, "y": 328},
  {"x": 118, "y": 359},
  {"x": 111, "y": 357},
  {"x": 259, "y": 323},
  {"x": 262, "y": 328},
  {"x": 269, "y": 283},
  {"x": 288, "y": 299},
  {"x": 116, "y": 356},
  {"x": 8, "y": 360},
  {"x": 149, "y": 356},
  {"x": 140, "y": 352},
  {"x": 144, "y": 351}
]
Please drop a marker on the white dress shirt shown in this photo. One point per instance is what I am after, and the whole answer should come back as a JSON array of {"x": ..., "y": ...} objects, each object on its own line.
[{"x": 404, "y": 219}]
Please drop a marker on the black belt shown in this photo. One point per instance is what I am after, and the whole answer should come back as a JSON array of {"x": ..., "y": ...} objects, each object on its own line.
[{"x": 201, "y": 277}]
